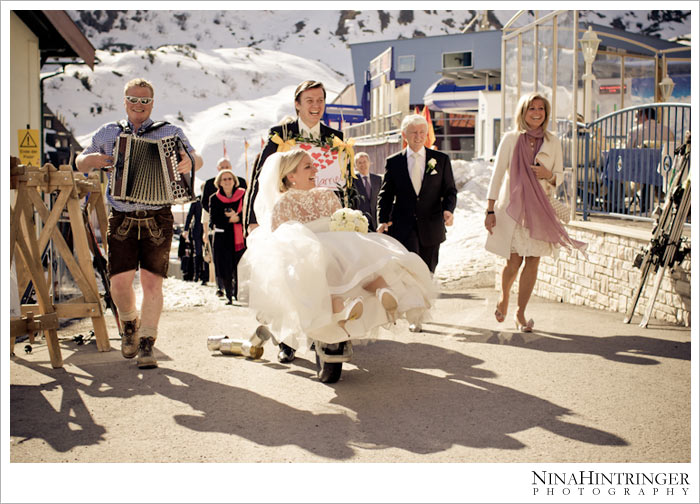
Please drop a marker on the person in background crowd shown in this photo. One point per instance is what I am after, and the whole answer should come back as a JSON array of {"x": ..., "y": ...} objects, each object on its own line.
[
  {"x": 368, "y": 185},
  {"x": 193, "y": 233},
  {"x": 210, "y": 188},
  {"x": 648, "y": 132},
  {"x": 226, "y": 208}
]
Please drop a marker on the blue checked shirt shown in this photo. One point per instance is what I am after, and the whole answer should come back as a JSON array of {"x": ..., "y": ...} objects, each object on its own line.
[{"x": 103, "y": 142}]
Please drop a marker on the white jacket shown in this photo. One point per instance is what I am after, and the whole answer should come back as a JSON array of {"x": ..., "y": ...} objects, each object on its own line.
[{"x": 550, "y": 156}]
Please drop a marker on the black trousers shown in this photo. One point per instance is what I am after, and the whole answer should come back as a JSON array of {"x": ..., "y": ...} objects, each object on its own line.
[
  {"x": 226, "y": 262},
  {"x": 429, "y": 254}
]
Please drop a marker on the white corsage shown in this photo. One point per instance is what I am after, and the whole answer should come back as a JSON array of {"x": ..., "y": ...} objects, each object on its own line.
[
  {"x": 430, "y": 169},
  {"x": 347, "y": 219}
]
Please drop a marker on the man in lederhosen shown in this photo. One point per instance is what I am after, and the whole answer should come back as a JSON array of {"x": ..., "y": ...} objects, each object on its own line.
[{"x": 139, "y": 235}]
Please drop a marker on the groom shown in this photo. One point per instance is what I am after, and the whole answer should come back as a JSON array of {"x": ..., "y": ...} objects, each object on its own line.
[
  {"x": 310, "y": 103},
  {"x": 418, "y": 194}
]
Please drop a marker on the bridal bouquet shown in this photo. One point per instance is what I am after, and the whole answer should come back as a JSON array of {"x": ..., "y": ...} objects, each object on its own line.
[{"x": 346, "y": 219}]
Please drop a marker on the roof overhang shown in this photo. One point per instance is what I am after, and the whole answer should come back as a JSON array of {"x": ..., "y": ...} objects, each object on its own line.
[
  {"x": 472, "y": 77},
  {"x": 59, "y": 36},
  {"x": 448, "y": 95}
]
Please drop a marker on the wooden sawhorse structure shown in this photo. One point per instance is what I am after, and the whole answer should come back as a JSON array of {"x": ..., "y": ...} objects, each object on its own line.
[{"x": 27, "y": 248}]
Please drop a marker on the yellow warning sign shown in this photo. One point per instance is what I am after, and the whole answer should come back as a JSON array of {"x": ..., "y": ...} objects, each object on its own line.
[{"x": 29, "y": 151}]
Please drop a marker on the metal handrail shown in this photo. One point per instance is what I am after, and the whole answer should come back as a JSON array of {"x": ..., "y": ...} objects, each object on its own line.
[{"x": 614, "y": 177}]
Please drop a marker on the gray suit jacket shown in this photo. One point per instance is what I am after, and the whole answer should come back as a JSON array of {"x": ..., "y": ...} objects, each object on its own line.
[{"x": 367, "y": 203}]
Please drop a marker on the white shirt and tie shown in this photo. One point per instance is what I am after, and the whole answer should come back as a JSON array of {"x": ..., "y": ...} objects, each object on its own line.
[
  {"x": 416, "y": 167},
  {"x": 310, "y": 132}
]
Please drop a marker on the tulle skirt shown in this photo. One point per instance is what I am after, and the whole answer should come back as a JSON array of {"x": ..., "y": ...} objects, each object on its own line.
[{"x": 288, "y": 277}]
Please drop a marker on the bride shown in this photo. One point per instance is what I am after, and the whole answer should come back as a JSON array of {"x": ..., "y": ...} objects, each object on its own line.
[{"x": 314, "y": 285}]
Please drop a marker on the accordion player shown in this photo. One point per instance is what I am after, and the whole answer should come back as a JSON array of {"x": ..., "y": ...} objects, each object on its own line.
[{"x": 145, "y": 171}]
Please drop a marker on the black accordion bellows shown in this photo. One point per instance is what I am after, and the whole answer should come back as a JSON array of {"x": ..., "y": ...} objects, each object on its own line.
[{"x": 145, "y": 171}]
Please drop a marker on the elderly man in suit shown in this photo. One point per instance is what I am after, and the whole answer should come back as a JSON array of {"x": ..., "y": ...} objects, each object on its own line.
[
  {"x": 310, "y": 103},
  {"x": 418, "y": 194},
  {"x": 368, "y": 185}
]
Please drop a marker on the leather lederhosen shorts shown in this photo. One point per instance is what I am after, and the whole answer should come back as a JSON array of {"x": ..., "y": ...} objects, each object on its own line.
[{"x": 140, "y": 238}]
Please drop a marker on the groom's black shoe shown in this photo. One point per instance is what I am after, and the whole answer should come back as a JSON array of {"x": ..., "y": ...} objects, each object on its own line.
[{"x": 286, "y": 354}]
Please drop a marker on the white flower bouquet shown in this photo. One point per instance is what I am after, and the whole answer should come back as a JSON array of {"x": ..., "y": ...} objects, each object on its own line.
[{"x": 347, "y": 219}]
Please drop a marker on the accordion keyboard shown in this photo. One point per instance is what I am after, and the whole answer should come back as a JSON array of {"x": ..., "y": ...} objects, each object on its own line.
[{"x": 146, "y": 171}]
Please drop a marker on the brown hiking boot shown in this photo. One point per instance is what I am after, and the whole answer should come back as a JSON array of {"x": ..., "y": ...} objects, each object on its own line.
[
  {"x": 130, "y": 338},
  {"x": 146, "y": 359}
]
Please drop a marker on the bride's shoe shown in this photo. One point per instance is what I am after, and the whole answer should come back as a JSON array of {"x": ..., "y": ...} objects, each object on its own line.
[
  {"x": 354, "y": 328},
  {"x": 527, "y": 327},
  {"x": 389, "y": 302},
  {"x": 352, "y": 310}
]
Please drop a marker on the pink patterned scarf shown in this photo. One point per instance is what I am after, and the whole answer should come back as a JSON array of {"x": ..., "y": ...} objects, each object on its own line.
[{"x": 529, "y": 205}]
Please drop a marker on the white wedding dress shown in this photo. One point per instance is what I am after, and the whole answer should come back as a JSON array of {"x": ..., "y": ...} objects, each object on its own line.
[{"x": 293, "y": 266}]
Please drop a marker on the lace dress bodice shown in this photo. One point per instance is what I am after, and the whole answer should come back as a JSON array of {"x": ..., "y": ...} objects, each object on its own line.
[{"x": 304, "y": 206}]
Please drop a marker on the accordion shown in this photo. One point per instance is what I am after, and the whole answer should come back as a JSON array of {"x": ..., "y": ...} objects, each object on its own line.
[{"x": 145, "y": 171}]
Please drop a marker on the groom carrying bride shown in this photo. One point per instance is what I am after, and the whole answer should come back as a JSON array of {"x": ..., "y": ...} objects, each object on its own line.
[{"x": 310, "y": 103}]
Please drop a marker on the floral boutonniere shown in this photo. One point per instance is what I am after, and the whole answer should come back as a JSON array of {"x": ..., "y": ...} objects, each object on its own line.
[{"x": 430, "y": 168}]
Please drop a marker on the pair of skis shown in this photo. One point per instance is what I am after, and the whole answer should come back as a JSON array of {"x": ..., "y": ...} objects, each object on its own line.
[{"x": 667, "y": 246}]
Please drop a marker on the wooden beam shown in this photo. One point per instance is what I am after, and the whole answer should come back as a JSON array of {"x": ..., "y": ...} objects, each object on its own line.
[
  {"x": 70, "y": 32},
  {"x": 70, "y": 309}
]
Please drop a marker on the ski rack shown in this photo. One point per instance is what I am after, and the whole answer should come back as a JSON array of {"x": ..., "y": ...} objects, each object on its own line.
[
  {"x": 667, "y": 246},
  {"x": 26, "y": 242}
]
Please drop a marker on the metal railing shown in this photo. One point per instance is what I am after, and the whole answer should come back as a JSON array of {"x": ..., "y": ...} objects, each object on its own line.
[
  {"x": 624, "y": 159},
  {"x": 376, "y": 127}
]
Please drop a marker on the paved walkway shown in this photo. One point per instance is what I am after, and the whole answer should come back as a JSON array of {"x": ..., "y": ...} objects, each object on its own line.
[{"x": 584, "y": 387}]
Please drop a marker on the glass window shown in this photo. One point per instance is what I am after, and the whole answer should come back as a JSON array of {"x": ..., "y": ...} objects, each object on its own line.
[
  {"x": 407, "y": 63},
  {"x": 457, "y": 60}
]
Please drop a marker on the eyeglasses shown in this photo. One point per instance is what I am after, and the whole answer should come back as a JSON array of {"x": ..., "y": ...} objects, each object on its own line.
[
  {"x": 136, "y": 99},
  {"x": 226, "y": 179}
]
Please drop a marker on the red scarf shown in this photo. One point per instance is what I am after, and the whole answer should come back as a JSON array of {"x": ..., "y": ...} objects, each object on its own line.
[
  {"x": 529, "y": 205},
  {"x": 237, "y": 196}
]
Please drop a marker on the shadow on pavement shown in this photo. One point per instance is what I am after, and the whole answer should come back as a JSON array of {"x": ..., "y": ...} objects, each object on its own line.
[
  {"x": 626, "y": 349},
  {"x": 425, "y": 399},
  {"x": 413, "y": 396}
]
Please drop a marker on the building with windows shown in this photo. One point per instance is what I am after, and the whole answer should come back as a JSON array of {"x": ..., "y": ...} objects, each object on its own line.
[{"x": 455, "y": 76}]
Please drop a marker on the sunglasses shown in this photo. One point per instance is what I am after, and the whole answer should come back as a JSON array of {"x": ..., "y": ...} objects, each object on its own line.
[{"x": 136, "y": 99}]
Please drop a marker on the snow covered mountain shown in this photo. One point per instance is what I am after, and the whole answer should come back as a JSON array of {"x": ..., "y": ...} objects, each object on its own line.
[{"x": 227, "y": 76}]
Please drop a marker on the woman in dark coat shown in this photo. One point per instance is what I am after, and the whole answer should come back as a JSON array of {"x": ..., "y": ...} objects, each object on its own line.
[{"x": 226, "y": 207}]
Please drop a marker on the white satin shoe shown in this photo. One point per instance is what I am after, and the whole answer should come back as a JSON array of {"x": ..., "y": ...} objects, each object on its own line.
[
  {"x": 389, "y": 302},
  {"x": 353, "y": 310}
]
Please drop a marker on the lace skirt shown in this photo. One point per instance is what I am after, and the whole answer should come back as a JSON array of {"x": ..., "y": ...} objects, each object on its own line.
[{"x": 525, "y": 246}]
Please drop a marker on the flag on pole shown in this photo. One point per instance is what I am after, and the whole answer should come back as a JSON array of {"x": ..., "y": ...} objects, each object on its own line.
[
  {"x": 245, "y": 154},
  {"x": 430, "y": 139}
]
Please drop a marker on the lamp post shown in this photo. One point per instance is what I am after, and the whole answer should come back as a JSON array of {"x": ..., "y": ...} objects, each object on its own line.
[
  {"x": 666, "y": 88},
  {"x": 589, "y": 45}
]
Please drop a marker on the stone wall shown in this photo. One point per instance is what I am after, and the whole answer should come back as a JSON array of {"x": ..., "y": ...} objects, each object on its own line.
[{"x": 607, "y": 279}]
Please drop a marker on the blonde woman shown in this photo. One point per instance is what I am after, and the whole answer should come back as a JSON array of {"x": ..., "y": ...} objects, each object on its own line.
[{"x": 519, "y": 217}]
